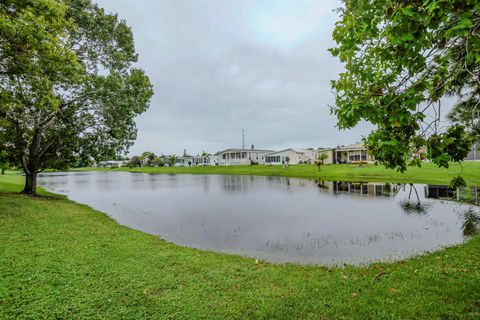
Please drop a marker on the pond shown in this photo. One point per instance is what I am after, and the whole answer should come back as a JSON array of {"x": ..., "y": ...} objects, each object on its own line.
[{"x": 276, "y": 218}]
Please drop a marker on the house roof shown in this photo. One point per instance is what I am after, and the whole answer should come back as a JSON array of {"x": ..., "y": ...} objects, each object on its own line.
[
  {"x": 294, "y": 150},
  {"x": 356, "y": 146},
  {"x": 244, "y": 150}
]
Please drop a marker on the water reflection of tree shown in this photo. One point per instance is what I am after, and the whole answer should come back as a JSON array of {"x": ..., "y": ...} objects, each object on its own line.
[
  {"x": 471, "y": 222},
  {"x": 321, "y": 184},
  {"x": 414, "y": 206}
]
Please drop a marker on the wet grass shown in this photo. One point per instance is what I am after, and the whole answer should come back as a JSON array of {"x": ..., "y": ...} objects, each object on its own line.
[
  {"x": 428, "y": 173},
  {"x": 59, "y": 259}
]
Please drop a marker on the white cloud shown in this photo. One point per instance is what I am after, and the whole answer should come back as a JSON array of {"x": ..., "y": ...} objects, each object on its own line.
[{"x": 214, "y": 75}]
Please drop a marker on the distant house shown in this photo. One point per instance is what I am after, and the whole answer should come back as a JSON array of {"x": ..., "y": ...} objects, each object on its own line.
[
  {"x": 351, "y": 153},
  {"x": 291, "y": 156},
  {"x": 184, "y": 161},
  {"x": 113, "y": 163},
  {"x": 202, "y": 160},
  {"x": 474, "y": 153},
  {"x": 348, "y": 154},
  {"x": 231, "y": 157},
  {"x": 421, "y": 154},
  {"x": 330, "y": 152},
  {"x": 214, "y": 160}
]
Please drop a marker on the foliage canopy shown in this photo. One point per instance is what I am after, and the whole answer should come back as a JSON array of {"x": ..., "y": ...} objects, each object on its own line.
[
  {"x": 401, "y": 58},
  {"x": 68, "y": 88}
]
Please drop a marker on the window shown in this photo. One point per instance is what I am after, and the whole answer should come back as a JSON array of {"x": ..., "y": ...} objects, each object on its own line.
[{"x": 355, "y": 157}]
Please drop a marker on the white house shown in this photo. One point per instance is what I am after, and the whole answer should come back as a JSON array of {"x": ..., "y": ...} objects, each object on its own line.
[
  {"x": 202, "y": 160},
  {"x": 292, "y": 156},
  {"x": 352, "y": 153},
  {"x": 184, "y": 161},
  {"x": 232, "y": 157},
  {"x": 474, "y": 153},
  {"x": 113, "y": 163},
  {"x": 330, "y": 152},
  {"x": 214, "y": 160}
]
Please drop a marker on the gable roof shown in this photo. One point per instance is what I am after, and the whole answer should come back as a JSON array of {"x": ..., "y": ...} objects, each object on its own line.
[
  {"x": 302, "y": 151},
  {"x": 244, "y": 150},
  {"x": 358, "y": 145}
]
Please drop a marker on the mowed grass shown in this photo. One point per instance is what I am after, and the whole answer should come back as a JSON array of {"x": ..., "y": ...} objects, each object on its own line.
[
  {"x": 62, "y": 260},
  {"x": 428, "y": 173}
]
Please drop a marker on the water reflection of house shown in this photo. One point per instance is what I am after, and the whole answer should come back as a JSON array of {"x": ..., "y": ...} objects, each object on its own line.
[
  {"x": 436, "y": 192},
  {"x": 466, "y": 194},
  {"x": 362, "y": 188}
]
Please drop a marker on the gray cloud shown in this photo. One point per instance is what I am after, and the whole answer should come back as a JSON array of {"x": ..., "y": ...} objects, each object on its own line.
[{"x": 222, "y": 66}]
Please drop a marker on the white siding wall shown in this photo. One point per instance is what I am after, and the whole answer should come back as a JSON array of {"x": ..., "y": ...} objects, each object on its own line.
[
  {"x": 329, "y": 153},
  {"x": 232, "y": 158},
  {"x": 280, "y": 157}
]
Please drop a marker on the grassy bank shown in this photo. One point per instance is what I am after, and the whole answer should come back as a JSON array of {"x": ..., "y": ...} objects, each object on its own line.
[
  {"x": 428, "y": 173},
  {"x": 59, "y": 259}
]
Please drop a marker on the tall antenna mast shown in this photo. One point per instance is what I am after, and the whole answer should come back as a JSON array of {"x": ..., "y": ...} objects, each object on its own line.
[{"x": 243, "y": 139}]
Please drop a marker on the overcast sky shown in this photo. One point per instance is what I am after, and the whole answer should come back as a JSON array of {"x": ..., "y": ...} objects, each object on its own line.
[{"x": 218, "y": 67}]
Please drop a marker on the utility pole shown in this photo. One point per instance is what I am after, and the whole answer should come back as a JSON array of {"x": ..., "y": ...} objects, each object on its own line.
[{"x": 243, "y": 139}]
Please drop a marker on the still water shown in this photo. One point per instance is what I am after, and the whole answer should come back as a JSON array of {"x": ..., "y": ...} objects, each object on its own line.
[{"x": 275, "y": 218}]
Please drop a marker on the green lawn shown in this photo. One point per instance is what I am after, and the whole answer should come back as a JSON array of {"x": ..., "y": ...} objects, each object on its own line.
[
  {"x": 59, "y": 259},
  {"x": 428, "y": 173}
]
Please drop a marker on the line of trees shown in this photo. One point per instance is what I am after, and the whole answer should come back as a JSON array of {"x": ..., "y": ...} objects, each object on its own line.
[{"x": 149, "y": 159}]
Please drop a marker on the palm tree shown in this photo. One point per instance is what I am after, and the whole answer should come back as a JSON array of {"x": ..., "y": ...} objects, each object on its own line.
[{"x": 321, "y": 157}]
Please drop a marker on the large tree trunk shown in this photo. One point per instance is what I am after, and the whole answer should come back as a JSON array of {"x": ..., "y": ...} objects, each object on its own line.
[
  {"x": 3, "y": 171},
  {"x": 30, "y": 165},
  {"x": 30, "y": 184}
]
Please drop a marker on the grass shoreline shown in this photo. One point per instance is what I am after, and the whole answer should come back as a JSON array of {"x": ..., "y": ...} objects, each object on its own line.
[
  {"x": 60, "y": 259},
  {"x": 427, "y": 174}
]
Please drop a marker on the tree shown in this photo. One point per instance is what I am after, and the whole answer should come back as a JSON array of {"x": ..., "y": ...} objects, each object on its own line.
[
  {"x": 68, "y": 90},
  {"x": 3, "y": 153},
  {"x": 401, "y": 58},
  {"x": 135, "y": 162},
  {"x": 172, "y": 160},
  {"x": 320, "y": 159},
  {"x": 147, "y": 158},
  {"x": 467, "y": 113},
  {"x": 157, "y": 162},
  {"x": 3, "y": 162}
]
